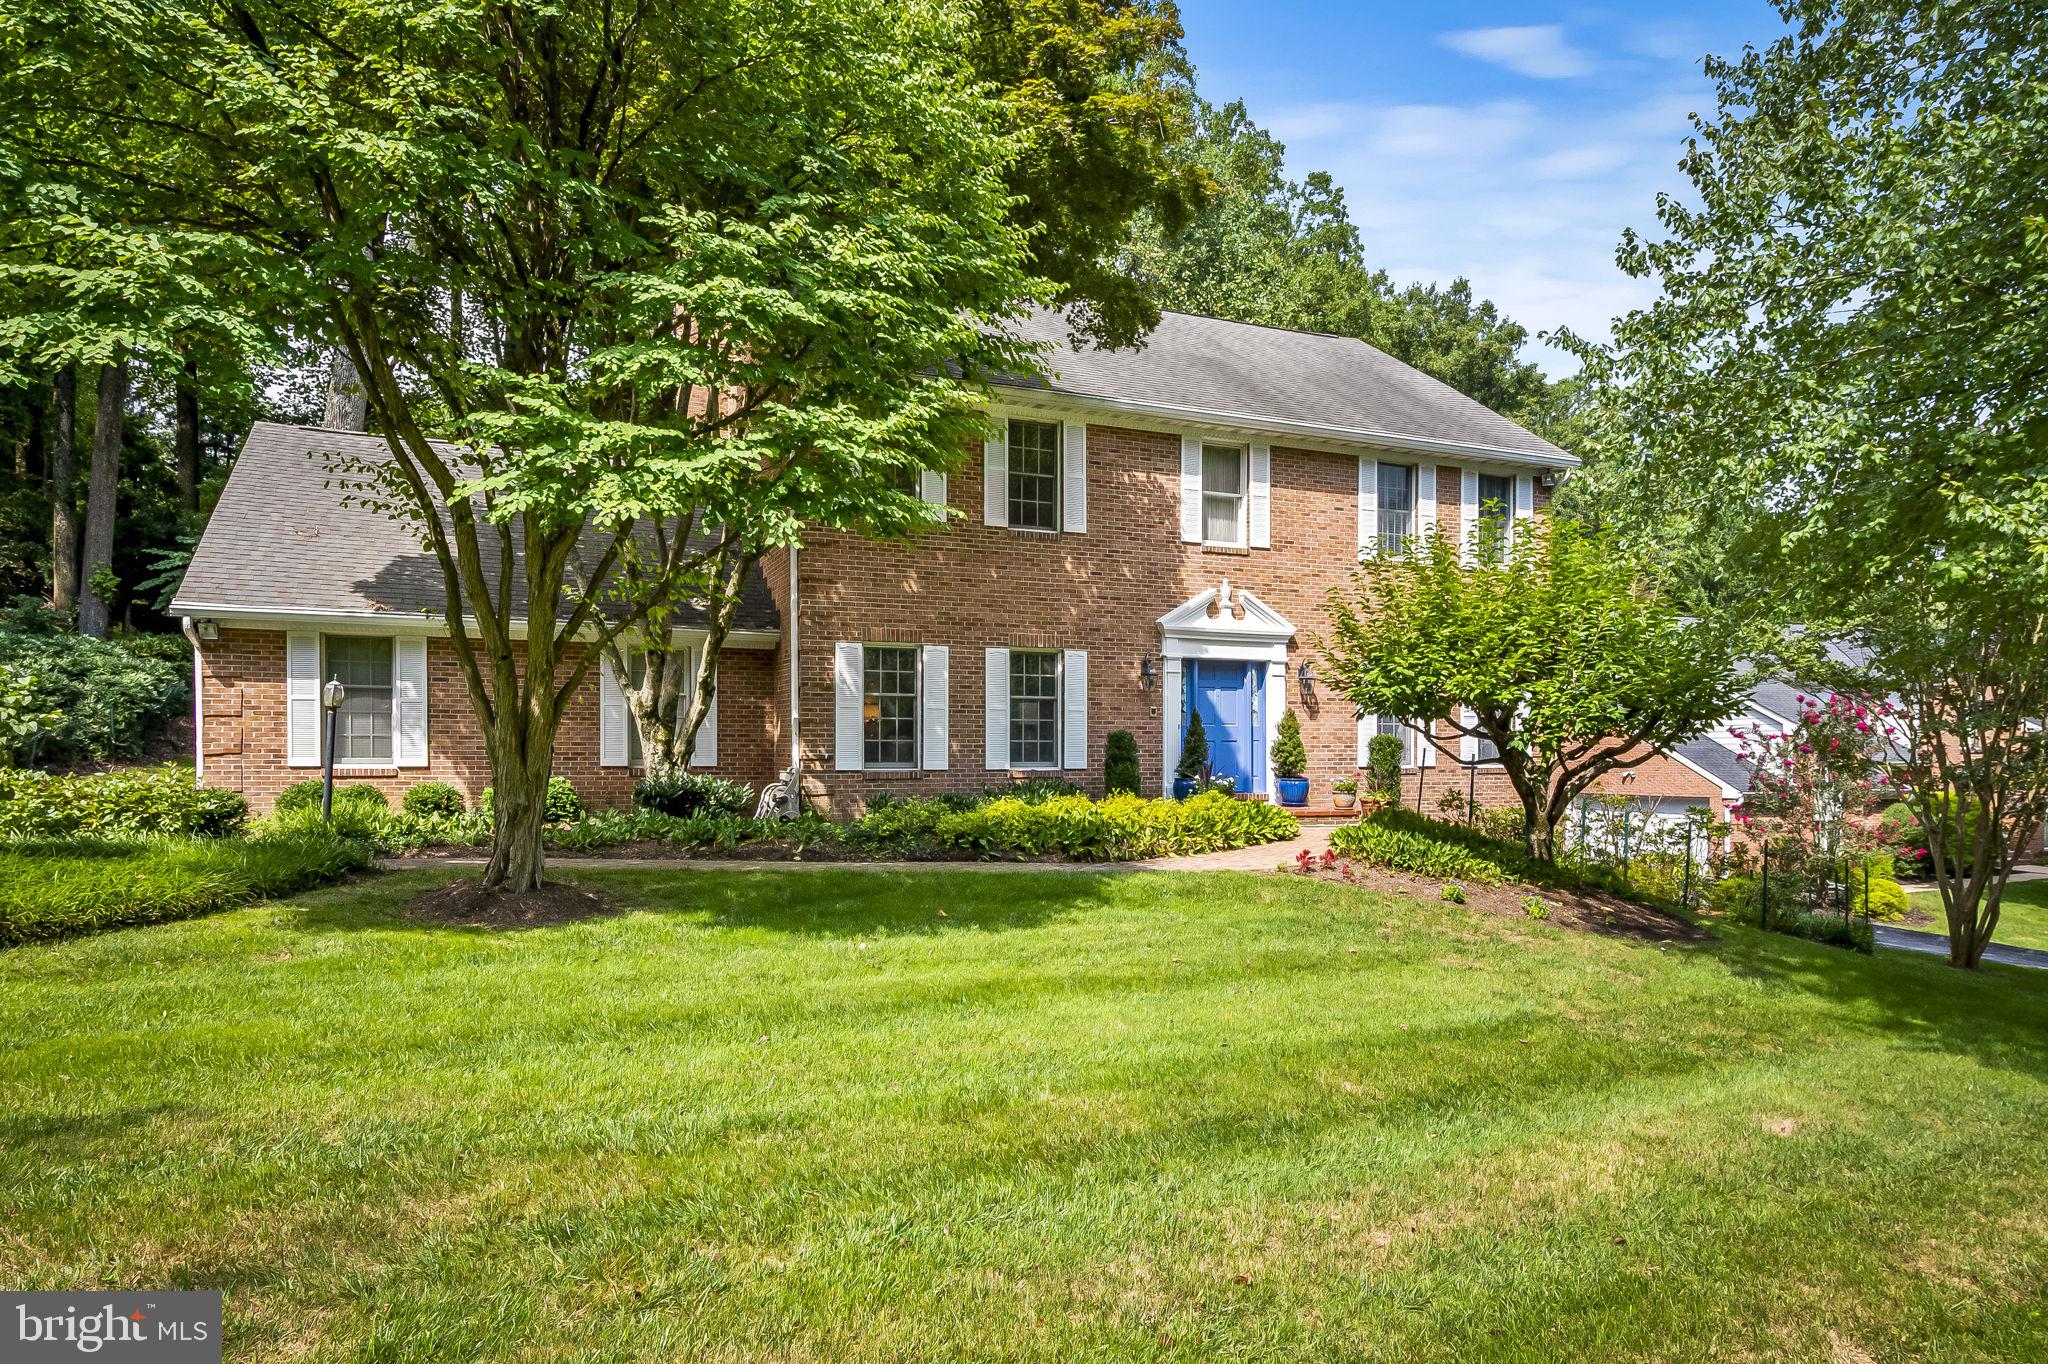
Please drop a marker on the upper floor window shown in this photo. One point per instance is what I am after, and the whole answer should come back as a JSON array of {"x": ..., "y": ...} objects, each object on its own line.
[
  {"x": 1223, "y": 481},
  {"x": 1034, "y": 461},
  {"x": 362, "y": 729},
  {"x": 1034, "y": 708},
  {"x": 1496, "y": 505},
  {"x": 1397, "y": 507},
  {"x": 888, "y": 706}
]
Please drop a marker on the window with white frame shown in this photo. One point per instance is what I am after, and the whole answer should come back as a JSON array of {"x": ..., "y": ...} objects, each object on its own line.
[
  {"x": 1496, "y": 508},
  {"x": 889, "y": 706},
  {"x": 1405, "y": 732},
  {"x": 1034, "y": 708},
  {"x": 362, "y": 729},
  {"x": 1223, "y": 480},
  {"x": 1034, "y": 472},
  {"x": 1397, "y": 506}
]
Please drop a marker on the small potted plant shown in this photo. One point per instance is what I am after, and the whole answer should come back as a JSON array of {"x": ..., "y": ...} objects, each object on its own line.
[
  {"x": 1290, "y": 761},
  {"x": 1194, "y": 758},
  {"x": 1344, "y": 792}
]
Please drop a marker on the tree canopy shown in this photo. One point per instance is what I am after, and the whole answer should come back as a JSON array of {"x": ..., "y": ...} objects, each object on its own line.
[
  {"x": 1841, "y": 383},
  {"x": 1553, "y": 648}
]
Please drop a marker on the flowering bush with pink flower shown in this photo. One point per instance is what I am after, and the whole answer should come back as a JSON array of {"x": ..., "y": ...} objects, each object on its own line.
[{"x": 1820, "y": 786}]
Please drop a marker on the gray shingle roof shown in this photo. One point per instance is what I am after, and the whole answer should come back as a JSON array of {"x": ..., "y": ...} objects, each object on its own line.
[
  {"x": 1266, "y": 375},
  {"x": 284, "y": 538},
  {"x": 1718, "y": 761}
]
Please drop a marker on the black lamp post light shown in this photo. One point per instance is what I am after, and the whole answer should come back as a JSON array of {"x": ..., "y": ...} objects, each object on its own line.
[{"x": 330, "y": 698}]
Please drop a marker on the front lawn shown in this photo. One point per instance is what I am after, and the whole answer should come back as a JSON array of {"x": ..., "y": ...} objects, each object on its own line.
[
  {"x": 2022, "y": 914},
  {"x": 864, "y": 1115}
]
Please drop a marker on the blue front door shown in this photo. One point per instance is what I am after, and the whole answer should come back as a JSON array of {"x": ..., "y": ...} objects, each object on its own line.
[{"x": 1227, "y": 697}]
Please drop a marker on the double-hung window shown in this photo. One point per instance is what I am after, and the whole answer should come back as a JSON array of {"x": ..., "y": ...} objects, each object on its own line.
[
  {"x": 1397, "y": 507},
  {"x": 1223, "y": 480},
  {"x": 1034, "y": 472},
  {"x": 362, "y": 729},
  {"x": 889, "y": 681},
  {"x": 1496, "y": 507},
  {"x": 1034, "y": 708},
  {"x": 1400, "y": 729}
]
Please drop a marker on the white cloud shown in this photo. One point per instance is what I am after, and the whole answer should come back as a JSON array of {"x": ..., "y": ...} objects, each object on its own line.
[
  {"x": 1438, "y": 131},
  {"x": 1536, "y": 50},
  {"x": 1579, "y": 163}
]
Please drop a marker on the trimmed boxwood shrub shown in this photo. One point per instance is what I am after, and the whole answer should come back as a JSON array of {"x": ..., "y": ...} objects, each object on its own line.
[
  {"x": 305, "y": 795},
  {"x": 684, "y": 794},
  {"x": 157, "y": 800},
  {"x": 1120, "y": 763},
  {"x": 59, "y": 888},
  {"x": 1290, "y": 754},
  {"x": 561, "y": 805},
  {"x": 1115, "y": 829},
  {"x": 431, "y": 798}
]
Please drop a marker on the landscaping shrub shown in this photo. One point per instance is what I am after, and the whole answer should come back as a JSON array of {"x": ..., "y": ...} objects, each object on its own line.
[
  {"x": 157, "y": 800},
  {"x": 59, "y": 888},
  {"x": 1878, "y": 898},
  {"x": 900, "y": 826},
  {"x": 1830, "y": 927},
  {"x": 305, "y": 795},
  {"x": 683, "y": 794},
  {"x": 431, "y": 798},
  {"x": 561, "y": 805},
  {"x": 1419, "y": 851},
  {"x": 1290, "y": 754},
  {"x": 1032, "y": 791},
  {"x": 699, "y": 833},
  {"x": 1383, "y": 766},
  {"x": 383, "y": 831},
  {"x": 1117, "y": 828},
  {"x": 1120, "y": 763},
  {"x": 102, "y": 699},
  {"x": 1194, "y": 750}
]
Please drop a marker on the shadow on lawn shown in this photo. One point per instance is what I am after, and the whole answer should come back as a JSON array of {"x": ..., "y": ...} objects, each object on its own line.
[
  {"x": 822, "y": 904},
  {"x": 1997, "y": 1016}
]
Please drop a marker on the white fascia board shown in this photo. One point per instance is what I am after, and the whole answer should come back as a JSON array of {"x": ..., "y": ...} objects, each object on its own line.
[
  {"x": 364, "y": 620},
  {"x": 1727, "y": 792},
  {"x": 1008, "y": 401}
]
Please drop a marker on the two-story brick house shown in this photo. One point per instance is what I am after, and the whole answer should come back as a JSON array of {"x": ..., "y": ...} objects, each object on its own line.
[{"x": 1152, "y": 532}]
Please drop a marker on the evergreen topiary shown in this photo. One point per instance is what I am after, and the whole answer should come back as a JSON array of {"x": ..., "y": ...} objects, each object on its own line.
[
  {"x": 1120, "y": 763},
  {"x": 1383, "y": 766},
  {"x": 1290, "y": 755},
  {"x": 1194, "y": 750}
]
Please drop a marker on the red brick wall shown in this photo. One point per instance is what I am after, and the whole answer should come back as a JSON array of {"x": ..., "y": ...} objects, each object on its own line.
[
  {"x": 971, "y": 586},
  {"x": 243, "y": 743}
]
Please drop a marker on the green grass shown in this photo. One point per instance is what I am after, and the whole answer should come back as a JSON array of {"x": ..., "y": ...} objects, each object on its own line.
[
  {"x": 802, "y": 1116},
  {"x": 2022, "y": 914}
]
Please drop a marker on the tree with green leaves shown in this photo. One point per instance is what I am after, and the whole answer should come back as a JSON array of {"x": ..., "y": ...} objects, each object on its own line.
[
  {"x": 1843, "y": 373},
  {"x": 596, "y": 269},
  {"x": 1553, "y": 648}
]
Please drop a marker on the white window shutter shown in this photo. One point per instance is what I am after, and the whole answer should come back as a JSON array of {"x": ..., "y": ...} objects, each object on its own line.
[
  {"x": 409, "y": 702},
  {"x": 1074, "y": 719},
  {"x": 1191, "y": 490},
  {"x": 302, "y": 699},
  {"x": 1074, "y": 467},
  {"x": 1260, "y": 503},
  {"x": 1368, "y": 504},
  {"x": 612, "y": 716},
  {"x": 1468, "y": 747},
  {"x": 932, "y": 487},
  {"x": 995, "y": 479},
  {"x": 1525, "y": 500},
  {"x": 846, "y": 704},
  {"x": 1368, "y": 725},
  {"x": 1468, "y": 513},
  {"x": 1425, "y": 750},
  {"x": 704, "y": 753},
  {"x": 936, "y": 737},
  {"x": 996, "y": 709},
  {"x": 1425, "y": 502}
]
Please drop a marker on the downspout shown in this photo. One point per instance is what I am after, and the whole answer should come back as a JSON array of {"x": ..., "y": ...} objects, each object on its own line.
[
  {"x": 198, "y": 702},
  {"x": 796, "y": 749}
]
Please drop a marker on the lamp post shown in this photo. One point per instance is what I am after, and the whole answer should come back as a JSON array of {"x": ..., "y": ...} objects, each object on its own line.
[{"x": 330, "y": 698}]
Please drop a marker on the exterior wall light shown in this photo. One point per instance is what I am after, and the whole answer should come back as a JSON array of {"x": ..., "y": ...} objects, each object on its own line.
[{"x": 331, "y": 697}]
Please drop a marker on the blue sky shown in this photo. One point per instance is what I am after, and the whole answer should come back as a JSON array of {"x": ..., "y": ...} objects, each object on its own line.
[{"x": 1506, "y": 143}]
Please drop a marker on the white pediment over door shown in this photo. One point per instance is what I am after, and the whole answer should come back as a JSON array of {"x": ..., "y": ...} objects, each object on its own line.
[{"x": 1225, "y": 622}]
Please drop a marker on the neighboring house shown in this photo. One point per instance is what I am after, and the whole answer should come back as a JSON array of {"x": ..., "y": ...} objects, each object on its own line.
[{"x": 1154, "y": 531}]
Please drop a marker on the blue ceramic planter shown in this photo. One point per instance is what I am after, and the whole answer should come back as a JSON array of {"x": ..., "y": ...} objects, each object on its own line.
[{"x": 1293, "y": 790}]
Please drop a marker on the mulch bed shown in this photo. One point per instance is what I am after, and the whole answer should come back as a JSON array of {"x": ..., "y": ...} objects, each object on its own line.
[
  {"x": 1587, "y": 911},
  {"x": 469, "y": 905}
]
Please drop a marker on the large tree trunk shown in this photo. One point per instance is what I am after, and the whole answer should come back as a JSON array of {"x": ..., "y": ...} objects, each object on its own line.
[
  {"x": 187, "y": 437},
  {"x": 519, "y": 825},
  {"x": 348, "y": 407},
  {"x": 30, "y": 458},
  {"x": 102, "y": 490},
  {"x": 64, "y": 489}
]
